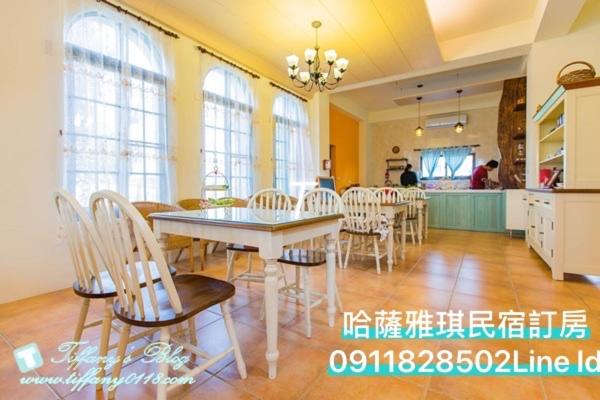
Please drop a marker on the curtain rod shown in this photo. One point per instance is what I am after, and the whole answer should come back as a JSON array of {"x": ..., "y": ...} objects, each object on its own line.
[
  {"x": 204, "y": 50},
  {"x": 449, "y": 147},
  {"x": 139, "y": 18},
  {"x": 287, "y": 91}
]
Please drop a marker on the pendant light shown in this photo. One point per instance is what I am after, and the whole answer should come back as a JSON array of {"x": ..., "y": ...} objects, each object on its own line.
[
  {"x": 419, "y": 131},
  {"x": 459, "y": 127}
]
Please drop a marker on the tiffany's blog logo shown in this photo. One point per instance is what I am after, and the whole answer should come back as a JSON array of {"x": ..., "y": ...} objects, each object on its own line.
[{"x": 28, "y": 357}]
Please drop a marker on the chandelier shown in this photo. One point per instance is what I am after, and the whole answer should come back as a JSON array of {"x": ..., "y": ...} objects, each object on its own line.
[{"x": 315, "y": 76}]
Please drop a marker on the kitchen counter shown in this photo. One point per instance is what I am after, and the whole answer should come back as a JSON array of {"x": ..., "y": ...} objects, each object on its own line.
[
  {"x": 470, "y": 210},
  {"x": 463, "y": 191}
]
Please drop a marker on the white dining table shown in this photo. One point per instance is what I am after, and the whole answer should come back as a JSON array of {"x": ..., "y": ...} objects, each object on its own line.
[{"x": 269, "y": 231}]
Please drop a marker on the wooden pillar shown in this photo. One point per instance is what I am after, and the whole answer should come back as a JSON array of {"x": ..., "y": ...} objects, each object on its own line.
[{"x": 512, "y": 133}]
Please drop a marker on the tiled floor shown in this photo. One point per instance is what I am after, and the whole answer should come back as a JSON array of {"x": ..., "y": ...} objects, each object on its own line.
[{"x": 451, "y": 270}]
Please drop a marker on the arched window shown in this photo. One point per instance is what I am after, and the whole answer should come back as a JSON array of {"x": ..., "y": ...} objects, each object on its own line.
[
  {"x": 292, "y": 151},
  {"x": 228, "y": 130},
  {"x": 115, "y": 110}
]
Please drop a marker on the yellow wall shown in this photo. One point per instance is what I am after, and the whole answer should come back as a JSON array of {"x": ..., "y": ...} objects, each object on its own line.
[{"x": 343, "y": 134}]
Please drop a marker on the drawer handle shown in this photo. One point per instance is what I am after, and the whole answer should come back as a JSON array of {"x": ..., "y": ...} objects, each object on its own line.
[
  {"x": 537, "y": 201},
  {"x": 547, "y": 202},
  {"x": 533, "y": 226}
]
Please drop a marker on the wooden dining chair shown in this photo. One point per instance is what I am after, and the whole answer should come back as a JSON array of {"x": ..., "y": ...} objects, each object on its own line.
[
  {"x": 392, "y": 195},
  {"x": 413, "y": 195},
  {"x": 174, "y": 242},
  {"x": 266, "y": 199},
  {"x": 173, "y": 301},
  {"x": 318, "y": 201},
  {"x": 363, "y": 219},
  {"x": 191, "y": 205},
  {"x": 93, "y": 280}
]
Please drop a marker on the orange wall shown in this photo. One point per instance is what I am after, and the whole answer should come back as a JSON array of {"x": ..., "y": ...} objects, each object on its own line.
[{"x": 343, "y": 134}]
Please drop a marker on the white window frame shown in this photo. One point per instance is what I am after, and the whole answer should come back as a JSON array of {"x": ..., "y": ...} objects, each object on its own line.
[
  {"x": 470, "y": 160},
  {"x": 229, "y": 156},
  {"x": 111, "y": 64},
  {"x": 281, "y": 179}
]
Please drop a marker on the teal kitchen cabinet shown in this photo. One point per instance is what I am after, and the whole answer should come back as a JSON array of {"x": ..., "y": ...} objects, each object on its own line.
[
  {"x": 467, "y": 210},
  {"x": 436, "y": 206},
  {"x": 459, "y": 211},
  {"x": 488, "y": 212}
]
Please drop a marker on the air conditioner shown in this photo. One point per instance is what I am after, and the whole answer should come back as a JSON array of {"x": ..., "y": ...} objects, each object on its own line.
[{"x": 443, "y": 121}]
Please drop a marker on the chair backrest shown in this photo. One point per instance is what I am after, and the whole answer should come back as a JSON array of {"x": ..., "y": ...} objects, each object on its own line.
[
  {"x": 413, "y": 195},
  {"x": 270, "y": 199},
  {"x": 146, "y": 208},
  {"x": 82, "y": 239},
  {"x": 362, "y": 210},
  {"x": 388, "y": 195},
  {"x": 122, "y": 229},
  {"x": 322, "y": 201}
]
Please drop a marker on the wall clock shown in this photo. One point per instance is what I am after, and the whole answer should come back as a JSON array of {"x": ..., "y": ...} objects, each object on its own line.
[{"x": 395, "y": 149}]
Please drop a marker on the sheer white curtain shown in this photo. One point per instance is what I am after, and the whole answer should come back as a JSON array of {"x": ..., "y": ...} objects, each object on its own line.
[
  {"x": 228, "y": 122},
  {"x": 294, "y": 172},
  {"x": 117, "y": 79}
]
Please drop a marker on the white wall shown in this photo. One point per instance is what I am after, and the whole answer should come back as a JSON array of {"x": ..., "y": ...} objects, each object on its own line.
[
  {"x": 31, "y": 261},
  {"x": 547, "y": 58},
  {"x": 481, "y": 128},
  {"x": 32, "y": 258}
]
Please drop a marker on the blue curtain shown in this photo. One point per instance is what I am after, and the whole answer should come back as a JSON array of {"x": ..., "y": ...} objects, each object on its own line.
[
  {"x": 430, "y": 160},
  {"x": 455, "y": 157}
]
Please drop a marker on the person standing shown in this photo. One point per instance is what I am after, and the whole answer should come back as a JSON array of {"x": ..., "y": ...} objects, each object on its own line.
[
  {"x": 408, "y": 177},
  {"x": 479, "y": 177}
]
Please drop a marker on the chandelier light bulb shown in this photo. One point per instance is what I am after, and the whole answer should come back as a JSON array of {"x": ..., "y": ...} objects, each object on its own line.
[
  {"x": 292, "y": 61},
  {"x": 304, "y": 76},
  {"x": 342, "y": 64},
  {"x": 309, "y": 55},
  {"x": 337, "y": 74},
  {"x": 330, "y": 56},
  {"x": 325, "y": 73},
  {"x": 419, "y": 131}
]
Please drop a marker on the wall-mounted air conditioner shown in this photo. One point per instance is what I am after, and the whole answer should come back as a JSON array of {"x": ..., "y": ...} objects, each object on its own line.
[{"x": 444, "y": 121}]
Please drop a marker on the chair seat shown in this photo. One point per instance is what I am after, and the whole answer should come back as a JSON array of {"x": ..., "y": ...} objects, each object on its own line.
[
  {"x": 108, "y": 286},
  {"x": 370, "y": 233},
  {"x": 303, "y": 257},
  {"x": 241, "y": 247},
  {"x": 196, "y": 292}
]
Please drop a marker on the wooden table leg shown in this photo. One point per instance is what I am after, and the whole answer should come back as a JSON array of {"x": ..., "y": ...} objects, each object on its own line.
[
  {"x": 331, "y": 286},
  {"x": 390, "y": 247},
  {"x": 271, "y": 315},
  {"x": 420, "y": 224},
  {"x": 403, "y": 236},
  {"x": 426, "y": 223}
]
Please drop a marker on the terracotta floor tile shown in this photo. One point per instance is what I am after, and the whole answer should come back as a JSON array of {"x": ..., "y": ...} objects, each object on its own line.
[{"x": 451, "y": 270}]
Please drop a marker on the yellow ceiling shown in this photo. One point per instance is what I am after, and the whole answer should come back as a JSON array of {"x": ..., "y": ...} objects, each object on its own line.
[{"x": 386, "y": 41}]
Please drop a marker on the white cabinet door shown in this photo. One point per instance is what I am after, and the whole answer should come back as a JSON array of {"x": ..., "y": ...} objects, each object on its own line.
[{"x": 515, "y": 212}]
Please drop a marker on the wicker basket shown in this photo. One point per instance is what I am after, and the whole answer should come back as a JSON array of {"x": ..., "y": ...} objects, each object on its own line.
[{"x": 577, "y": 75}]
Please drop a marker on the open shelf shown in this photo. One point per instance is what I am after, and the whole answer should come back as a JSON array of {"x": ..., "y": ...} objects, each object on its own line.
[
  {"x": 557, "y": 135},
  {"x": 553, "y": 160}
]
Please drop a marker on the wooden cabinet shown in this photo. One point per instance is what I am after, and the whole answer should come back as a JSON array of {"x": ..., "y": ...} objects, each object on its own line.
[
  {"x": 459, "y": 211},
  {"x": 436, "y": 206},
  {"x": 488, "y": 212},
  {"x": 567, "y": 135},
  {"x": 467, "y": 210},
  {"x": 562, "y": 229}
]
